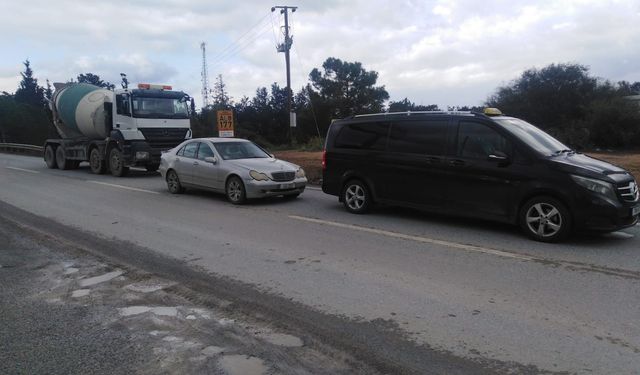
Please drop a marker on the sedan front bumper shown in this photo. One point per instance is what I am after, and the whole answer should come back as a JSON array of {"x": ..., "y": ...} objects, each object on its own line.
[{"x": 261, "y": 189}]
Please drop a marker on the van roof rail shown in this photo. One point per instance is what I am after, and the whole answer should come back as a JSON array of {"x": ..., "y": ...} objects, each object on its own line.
[{"x": 409, "y": 113}]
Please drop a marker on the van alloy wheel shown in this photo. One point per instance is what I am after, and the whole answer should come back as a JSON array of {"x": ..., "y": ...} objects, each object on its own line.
[
  {"x": 355, "y": 197},
  {"x": 545, "y": 219}
]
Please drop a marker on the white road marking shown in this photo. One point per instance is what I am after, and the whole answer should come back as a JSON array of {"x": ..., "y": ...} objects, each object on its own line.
[
  {"x": 314, "y": 188},
  {"x": 22, "y": 169},
  {"x": 455, "y": 245},
  {"x": 123, "y": 187}
]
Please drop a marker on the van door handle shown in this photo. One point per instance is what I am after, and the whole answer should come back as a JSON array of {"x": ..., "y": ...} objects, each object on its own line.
[{"x": 456, "y": 163}]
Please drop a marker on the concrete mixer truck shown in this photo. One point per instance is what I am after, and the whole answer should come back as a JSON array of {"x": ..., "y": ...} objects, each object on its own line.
[{"x": 115, "y": 130}]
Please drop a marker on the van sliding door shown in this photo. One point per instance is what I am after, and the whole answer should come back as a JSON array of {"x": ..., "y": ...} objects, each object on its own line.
[{"x": 413, "y": 165}]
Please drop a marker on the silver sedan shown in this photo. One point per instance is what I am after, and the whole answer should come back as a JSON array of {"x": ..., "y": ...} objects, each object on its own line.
[{"x": 236, "y": 167}]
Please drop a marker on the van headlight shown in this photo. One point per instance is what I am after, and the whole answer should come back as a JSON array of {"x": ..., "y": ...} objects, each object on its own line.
[
  {"x": 300, "y": 173},
  {"x": 596, "y": 186},
  {"x": 258, "y": 176}
]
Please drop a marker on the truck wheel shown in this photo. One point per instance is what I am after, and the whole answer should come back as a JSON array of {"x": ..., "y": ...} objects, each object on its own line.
[
  {"x": 61, "y": 159},
  {"x": 236, "y": 193},
  {"x": 152, "y": 167},
  {"x": 116, "y": 163},
  {"x": 545, "y": 219},
  {"x": 97, "y": 164},
  {"x": 50, "y": 157}
]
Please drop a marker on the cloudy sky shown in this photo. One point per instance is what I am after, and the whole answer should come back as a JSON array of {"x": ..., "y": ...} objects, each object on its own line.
[{"x": 442, "y": 52}]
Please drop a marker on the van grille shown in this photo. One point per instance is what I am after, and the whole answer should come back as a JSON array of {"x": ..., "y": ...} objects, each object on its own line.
[
  {"x": 629, "y": 191},
  {"x": 283, "y": 176},
  {"x": 163, "y": 138}
]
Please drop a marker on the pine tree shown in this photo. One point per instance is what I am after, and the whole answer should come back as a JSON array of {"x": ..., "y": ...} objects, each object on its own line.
[
  {"x": 221, "y": 98},
  {"x": 48, "y": 92},
  {"x": 29, "y": 92}
]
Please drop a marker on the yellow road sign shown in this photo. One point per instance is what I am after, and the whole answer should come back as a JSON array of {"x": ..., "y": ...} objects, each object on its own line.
[{"x": 225, "y": 123}]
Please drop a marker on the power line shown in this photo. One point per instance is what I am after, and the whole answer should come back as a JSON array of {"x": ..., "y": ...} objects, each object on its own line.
[
  {"x": 243, "y": 41},
  {"x": 239, "y": 47}
]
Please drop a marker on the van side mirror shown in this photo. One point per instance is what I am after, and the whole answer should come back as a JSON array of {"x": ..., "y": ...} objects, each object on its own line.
[{"x": 211, "y": 159}]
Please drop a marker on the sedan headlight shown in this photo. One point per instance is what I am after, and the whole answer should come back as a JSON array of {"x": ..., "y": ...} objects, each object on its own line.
[
  {"x": 596, "y": 186},
  {"x": 258, "y": 176},
  {"x": 300, "y": 173}
]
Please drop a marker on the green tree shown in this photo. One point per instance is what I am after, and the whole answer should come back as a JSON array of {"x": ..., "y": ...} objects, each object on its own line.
[
  {"x": 581, "y": 110},
  {"x": 405, "y": 105},
  {"x": 28, "y": 91},
  {"x": 548, "y": 97},
  {"x": 95, "y": 80},
  {"x": 348, "y": 88},
  {"x": 221, "y": 98}
]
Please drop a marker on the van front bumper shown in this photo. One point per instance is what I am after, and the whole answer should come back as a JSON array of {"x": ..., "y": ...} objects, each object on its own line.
[{"x": 603, "y": 215}]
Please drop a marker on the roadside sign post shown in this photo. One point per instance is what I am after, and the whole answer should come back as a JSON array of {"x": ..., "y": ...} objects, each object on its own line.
[{"x": 225, "y": 123}]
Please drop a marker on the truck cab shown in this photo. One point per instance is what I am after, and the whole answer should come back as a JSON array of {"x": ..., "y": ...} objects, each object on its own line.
[{"x": 146, "y": 121}]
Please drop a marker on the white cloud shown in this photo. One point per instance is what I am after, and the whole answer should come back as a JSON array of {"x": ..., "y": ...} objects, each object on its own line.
[{"x": 445, "y": 52}]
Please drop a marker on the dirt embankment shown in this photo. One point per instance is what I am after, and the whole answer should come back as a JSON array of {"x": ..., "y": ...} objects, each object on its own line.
[{"x": 312, "y": 161}]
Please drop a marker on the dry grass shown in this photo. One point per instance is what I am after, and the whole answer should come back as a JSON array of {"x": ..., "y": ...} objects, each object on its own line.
[
  {"x": 628, "y": 161},
  {"x": 312, "y": 161}
]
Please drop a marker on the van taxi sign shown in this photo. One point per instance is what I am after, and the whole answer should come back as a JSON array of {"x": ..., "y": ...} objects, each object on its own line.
[{"x": 225, "y": 123}]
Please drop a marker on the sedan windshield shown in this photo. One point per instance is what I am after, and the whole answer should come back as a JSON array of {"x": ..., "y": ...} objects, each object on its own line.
[
  {"x": 240, "y": 150},
  {"x": 159, "y": 107},
  {"x": 532, "y": 136}
]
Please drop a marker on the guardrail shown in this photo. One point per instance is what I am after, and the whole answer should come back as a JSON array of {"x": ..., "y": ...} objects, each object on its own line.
[{"x": 21, "y": 149}]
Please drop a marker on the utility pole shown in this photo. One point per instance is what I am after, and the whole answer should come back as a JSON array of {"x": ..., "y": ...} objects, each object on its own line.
[{"x": 285, "y": 47}]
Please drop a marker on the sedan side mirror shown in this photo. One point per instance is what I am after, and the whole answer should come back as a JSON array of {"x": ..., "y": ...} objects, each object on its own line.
[{"x": 211, "y": 159}]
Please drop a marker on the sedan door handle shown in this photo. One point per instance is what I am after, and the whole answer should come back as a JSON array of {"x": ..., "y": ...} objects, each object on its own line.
[
  {"x": 456, "y": 163},
  {"x": 195, "y": 163}
]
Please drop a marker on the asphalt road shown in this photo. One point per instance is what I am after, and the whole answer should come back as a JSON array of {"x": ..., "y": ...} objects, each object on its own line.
[{"x": 472, "y": 290}]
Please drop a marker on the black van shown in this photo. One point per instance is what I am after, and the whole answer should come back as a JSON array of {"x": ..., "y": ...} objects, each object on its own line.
[{"x": 479, "y": 165}]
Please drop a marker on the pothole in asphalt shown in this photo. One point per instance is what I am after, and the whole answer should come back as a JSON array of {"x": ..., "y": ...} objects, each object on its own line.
[
  {"x": 239, "y": 364},
  {"x": 282, "y": 339},
  {"x": 100, "y": 279},
  {"x": 136, "y": 310},
  {"x": 80, "y": 293},
  {"x": 147, "y": 286}
]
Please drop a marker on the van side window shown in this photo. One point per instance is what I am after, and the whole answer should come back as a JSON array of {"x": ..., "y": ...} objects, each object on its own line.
[
  {"x": 363, "y": 136},
  {"x": 419, "y": 137},
  {"x": 478, "y": 141}
]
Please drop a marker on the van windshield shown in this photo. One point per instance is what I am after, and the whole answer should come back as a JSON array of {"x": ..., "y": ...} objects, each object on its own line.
[{"x": 532, "y": 136}]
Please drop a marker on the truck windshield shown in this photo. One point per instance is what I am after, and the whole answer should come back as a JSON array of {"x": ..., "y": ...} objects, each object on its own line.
[
  {"x": 532, "y": 136},
  {"x": 159, "y": 108}
]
